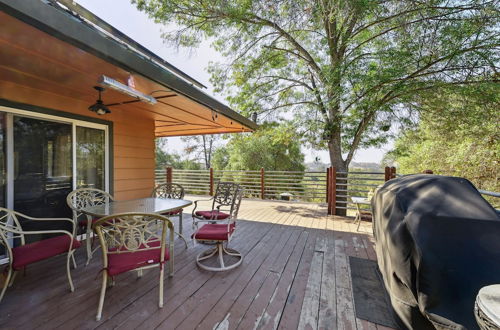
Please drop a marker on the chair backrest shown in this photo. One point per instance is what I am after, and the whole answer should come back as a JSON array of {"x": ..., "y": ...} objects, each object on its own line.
[
  {"x": 237, "y": 203},
  {"x": 225, "y": 195},
  {"x": 84, "y": 197},
  {"x": 133, "y": 232},
  {"x": 169, "y": 190}
]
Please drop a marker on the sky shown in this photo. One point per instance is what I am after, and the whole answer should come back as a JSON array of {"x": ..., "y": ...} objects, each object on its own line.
[{"x": 122, "y": 15}]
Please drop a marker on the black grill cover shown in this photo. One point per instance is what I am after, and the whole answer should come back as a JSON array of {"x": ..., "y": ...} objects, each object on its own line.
[{"x": 438, "y": 243}]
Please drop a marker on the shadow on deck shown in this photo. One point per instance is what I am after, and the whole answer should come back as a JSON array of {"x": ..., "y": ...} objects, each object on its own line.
[{"x": 295, "y": 274}]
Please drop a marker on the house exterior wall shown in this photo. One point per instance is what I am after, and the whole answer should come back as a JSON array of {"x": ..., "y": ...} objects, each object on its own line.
[{"x": 133, "y": 152}]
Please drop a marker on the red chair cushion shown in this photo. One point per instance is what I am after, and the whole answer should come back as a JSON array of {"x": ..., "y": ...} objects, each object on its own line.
[
  {"x": 212, "y": 215},
  {"x": 123, "y": 262},
  {"x": 215, "y": 232},
  {"x": 29, "y": 253},
  {"x": 175, "y": 212}
]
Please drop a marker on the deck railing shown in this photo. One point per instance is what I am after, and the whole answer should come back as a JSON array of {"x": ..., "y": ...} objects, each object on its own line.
[{"x": 306, "y": 186}]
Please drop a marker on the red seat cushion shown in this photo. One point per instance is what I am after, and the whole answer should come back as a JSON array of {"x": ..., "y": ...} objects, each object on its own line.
[
  {"x": 175, "y": 212},
  {"x": 212, "y": 215},
  {"x": 29, "y": 253},
  {"x": 216, "y": 232},
  {"x": 123, "y": 262}
]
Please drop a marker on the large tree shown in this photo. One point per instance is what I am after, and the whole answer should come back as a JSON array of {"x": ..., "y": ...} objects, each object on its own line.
[
  {"x": 272, "y": 147},
  {"x": 343, "y": 68},
  {"x": 202, "y": 147}
]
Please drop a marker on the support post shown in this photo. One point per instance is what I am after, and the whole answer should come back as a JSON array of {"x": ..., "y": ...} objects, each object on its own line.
[
  {"x": 328, "y": 187},
  {"x": 262, "y": 183},
  {"x": 331, "y": 190},
  {"x": 387, "y": 173},
  {"x": 393, "y": 172},
  {"x": 333, "y": 184},
  {"x": 169, "y": 174},
  {"x": 428, "y": 172},
  {"x": 211, "y": 173}
]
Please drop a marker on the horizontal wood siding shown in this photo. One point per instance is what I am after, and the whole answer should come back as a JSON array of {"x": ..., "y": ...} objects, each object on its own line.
[
  {"x": 134, "y": 157},
  {"x": 133, "y": 138}
]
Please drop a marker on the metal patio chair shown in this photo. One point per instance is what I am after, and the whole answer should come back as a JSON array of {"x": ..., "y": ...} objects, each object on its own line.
[
  {"x": 223, "y": 205},
  {"x": 174, "y": 191},
  {"x": 84, "y": 197},
  {"x": 133, "y": 241},
  {"x": 221, "y": 233},
  {"x": 24, "y": 254},
  {"x": 361, "y": 214}
]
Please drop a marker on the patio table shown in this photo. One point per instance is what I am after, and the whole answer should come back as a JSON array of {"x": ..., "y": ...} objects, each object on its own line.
[
  {"x": 141, "y": 205},
  {"x": 360, "y": 201}
]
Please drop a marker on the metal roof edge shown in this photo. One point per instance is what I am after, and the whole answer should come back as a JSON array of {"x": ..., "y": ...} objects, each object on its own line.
[{"x": 68, "y": 28}]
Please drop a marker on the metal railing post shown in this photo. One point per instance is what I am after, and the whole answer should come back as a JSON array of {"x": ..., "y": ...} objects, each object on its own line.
[
  {"x": 262, "y": 184},
  {"x": 169, "y": 174},
  {"x": 211, "y": 173}
]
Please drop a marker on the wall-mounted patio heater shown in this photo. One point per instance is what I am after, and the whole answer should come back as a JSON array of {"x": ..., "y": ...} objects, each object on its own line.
[{"x": 118, "y": 86}]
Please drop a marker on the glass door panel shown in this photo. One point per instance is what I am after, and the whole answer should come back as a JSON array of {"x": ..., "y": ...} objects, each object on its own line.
[
  {"x": 90, "y": 158},
  {"x": 42, "y": 170}
]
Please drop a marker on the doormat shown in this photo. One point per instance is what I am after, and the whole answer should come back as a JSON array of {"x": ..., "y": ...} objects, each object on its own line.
[{"x": 371, "y": 300}]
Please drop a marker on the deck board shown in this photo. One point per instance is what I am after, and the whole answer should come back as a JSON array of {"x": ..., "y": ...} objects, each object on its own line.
[{"x": 295, "y": 274}]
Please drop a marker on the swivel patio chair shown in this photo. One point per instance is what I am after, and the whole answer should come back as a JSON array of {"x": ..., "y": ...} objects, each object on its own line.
[
  {"x": 85, "y": 197},
  {"x": 24, "y": 254},
  {"x": 174, "y": 191},
  {"x": 133, "y": 241},
  {"x": 221, "y": 233},
  {"x": 223, "y": 205}
]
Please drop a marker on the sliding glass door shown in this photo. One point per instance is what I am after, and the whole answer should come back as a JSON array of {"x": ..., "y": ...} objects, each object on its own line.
[
  {"x": 43, "y": 169},
  {"x": 90, "y": 158},
  {"x": 43, "y": 158}
]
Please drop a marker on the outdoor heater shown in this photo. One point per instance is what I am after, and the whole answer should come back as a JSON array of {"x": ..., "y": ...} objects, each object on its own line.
[{"x": 118, "y": 86}]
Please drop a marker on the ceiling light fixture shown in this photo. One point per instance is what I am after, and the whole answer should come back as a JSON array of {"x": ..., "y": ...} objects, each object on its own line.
[
  {"x": 118, "y": 86},
  {"x": 99, "y": 107}
]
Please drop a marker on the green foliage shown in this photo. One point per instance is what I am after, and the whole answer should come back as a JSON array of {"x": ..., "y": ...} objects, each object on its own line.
[
  {"x": 343, "y": 69},
  {"x": 458, "y": 135},
  {"x": 202, "y": 147},
  {"x": 272, "y": 147},
  {"x": 163, "y": 158}
]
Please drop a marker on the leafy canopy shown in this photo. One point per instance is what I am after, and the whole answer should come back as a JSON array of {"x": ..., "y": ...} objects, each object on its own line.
[
  {"x": 458, "y": 135},
  {"x": 346, "y": 69},
  {"x": 272, "y": 147}
]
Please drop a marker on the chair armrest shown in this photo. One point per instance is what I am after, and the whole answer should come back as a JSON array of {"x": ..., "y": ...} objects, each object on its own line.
[
  {"x": 196, "y": 203},
  {"x": 41, "y": 219},
  {"x": 33, "y": 232}
]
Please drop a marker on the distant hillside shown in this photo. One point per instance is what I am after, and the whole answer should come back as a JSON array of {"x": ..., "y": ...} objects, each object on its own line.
[
  {"x": 366, "y": 166},
  {"x": 319, "y": 167}
]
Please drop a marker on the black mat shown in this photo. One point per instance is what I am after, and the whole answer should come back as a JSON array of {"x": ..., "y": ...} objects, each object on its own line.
[{"x": 371, "y": 301}]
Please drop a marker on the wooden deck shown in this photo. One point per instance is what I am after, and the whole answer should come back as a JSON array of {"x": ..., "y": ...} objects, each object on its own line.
[{"x": 295, "y": 274}]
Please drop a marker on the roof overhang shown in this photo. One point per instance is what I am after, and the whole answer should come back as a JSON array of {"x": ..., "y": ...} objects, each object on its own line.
[{"x": 47, "y": 49}]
